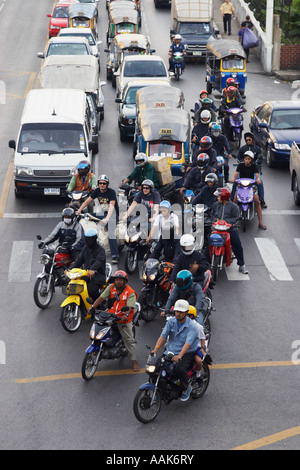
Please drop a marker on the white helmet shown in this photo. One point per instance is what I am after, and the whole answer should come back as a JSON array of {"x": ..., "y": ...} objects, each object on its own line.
[
  {"x": 187, "y": 243},
  {"x": 249, "y": 154},
  {"x": 181, "y": 305},
  {"x": 177, "y": 36},
  {"x": 205, "y": 116},
  {"x": 140, "y": 159}
]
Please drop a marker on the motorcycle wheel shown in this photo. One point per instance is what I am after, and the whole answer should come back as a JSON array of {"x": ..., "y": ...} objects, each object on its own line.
[
  {"x": 41, "y": 295},
  {"x": 141, "y": 406},
  {"x": 177, "y": 73},
  {"x": 89, "y": 365},
  {"x": 148, "y": 311},
  {"x": 215, "y": 268},
  {"x": 71, "y": 317},
  {"x": 198, "y": 391},
  {"x": 131, "y": 261},
  {"x": 244, "y": 220}
]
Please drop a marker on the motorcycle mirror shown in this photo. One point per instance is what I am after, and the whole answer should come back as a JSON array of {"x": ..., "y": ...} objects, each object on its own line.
[
  {"x": 39, "y": 237},
  {"x": 89, "y": 300}
]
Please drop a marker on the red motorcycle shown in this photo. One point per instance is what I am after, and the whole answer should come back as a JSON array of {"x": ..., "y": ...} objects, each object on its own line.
[{"x": 219, "y": 247}]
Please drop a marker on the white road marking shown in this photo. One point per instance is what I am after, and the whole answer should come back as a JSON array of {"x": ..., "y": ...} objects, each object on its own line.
[
  {"x": 233, "y": 273},
  {"x": 273, "y": 259},
  {"x": 20, "y": 261}
]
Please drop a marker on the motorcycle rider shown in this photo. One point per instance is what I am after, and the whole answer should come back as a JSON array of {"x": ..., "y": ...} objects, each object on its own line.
[
  {"x": 168, "y": 244},
  {"x": 120, "y": 295},
  {"x": 143, "y": 171},
  {"x": 206, "y": 146},
  {"x": 203, "y": 94},
  {"x": 92, "y": 258},
  {"x": 195, "y": 179},
  {"x": 221, "y": 146},
  {"x": 190, "y": 259},
  {"x": 206, "y": 195},
  {"x": 182, "y": 335},
  {"x": 249, "y": 169},
  {"x": 176, "y": 46},
  {"x": 185, "y": 288},
  {"x": 231, "y": 82},
  {"x": 231, "y": 100},
  {"x": 68, "y": 227},
  {"x": 109, "y": 212},
  {"x": 258, "y": 159},
  {"x": 225, "y": 209},
  {"x": 200, "y": 351},
  {"x": 200, "y": 129},
  {"x": 84, "y": 179},
  {"x": 206, "y": 103},
  {"x": 165, "y": 215}
]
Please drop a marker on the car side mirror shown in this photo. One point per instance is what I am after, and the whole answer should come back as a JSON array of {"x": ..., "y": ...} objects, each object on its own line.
[
  {"x": 12, "y": 144},
  {"x": 49, "y": 15},
  {"x": 41, "y": 55},
  {"x": 118, "y": 100},
  {"x": 263, "y": 125},
  {"x": 91, "y": 146}
]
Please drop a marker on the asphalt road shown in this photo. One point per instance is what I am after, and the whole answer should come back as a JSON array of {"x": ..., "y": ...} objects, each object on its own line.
[{"x": 45, "y": 404}]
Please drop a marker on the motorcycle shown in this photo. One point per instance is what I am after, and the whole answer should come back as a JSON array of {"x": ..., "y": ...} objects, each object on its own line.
[
  {"x": 177, "y": 64},
  {"x": 163, "y": 387},
  {"x": 154, "y": 294},
  {"x": 74, "y": 308},
  {"x": 77, "y": 198},
  {"x": 136, "y": 247},
  {"x": 89, "y": 221},
  {"x": 107, "y": 342},
  {"x": 54, "y": 261},
  {"x": 220, "y": 171},
  {"x": 220, "y": 247},
  {"x": 235, "y": 125},
  {"x": 245, "y": 199},
  {"x": 126, "y": 195}
]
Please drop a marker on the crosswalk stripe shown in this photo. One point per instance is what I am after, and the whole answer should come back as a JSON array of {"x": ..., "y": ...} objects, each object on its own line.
[
  {"x": 273, "y": 259},
  {"x": 233, "y": 273},
  {"x": 20, "y": 261},
  {"x": 297, "y": 242}
]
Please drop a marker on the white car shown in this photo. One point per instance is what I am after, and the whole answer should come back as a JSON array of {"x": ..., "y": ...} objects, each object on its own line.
[
  {"x": 66, "y": 46},
  {"x": 83, "y": 32},
  {"x": 135, "y": 67}
]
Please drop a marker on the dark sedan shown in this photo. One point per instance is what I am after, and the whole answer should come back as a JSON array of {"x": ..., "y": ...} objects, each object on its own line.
[{"x": 275, "y": 125}]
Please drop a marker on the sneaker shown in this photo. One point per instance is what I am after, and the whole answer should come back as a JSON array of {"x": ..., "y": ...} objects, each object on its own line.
[
  {"x": 115, "y": 259},
  {"x": 243, "y": 269},
  {"x": 186, "y": 394}
]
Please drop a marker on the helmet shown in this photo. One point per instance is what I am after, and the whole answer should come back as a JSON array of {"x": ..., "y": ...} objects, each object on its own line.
[
  {"x": 231, "y": 90},
  {"x": 121, "y": 274},
  {"x": 181, "y": 305},
  {"x": 187, "y": 243},
  {"x": 202, "y": 160},
  {"x": 142, "y": 158},
  {"x": 216, "y": 130},
  {"x": 212, "y": 123},
  {"x": 205, "y": 116},
  {"x": 103, "y": 178},
  {"x": 206, "y": 142},
  {"x": 83, "y": 167},
  {"x": 248, "y": 135},
  {"x": 249, "y": 154},
  {"x": 148, "y": 183},
  {"x": 90, "y": 237},
  {"x": 165, "y": 204},
  {"x": 68, "y": 213},
  {"x": 211, "y": 178},
  {"x": 184, "y": 279},
  {"x": 220, "y": 160},
  {"x": 177, "y": 36},
  {"x": 206, "y": 103},
  {"x": 192, "y": 311},
  {"x": 203, "y": 91},
  {"x": 230, "y": 81},
  {"x": 224, "y": 193}
]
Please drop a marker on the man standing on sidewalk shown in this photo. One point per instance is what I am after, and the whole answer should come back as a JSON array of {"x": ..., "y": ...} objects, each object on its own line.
[{"x": 227, "y": 10}]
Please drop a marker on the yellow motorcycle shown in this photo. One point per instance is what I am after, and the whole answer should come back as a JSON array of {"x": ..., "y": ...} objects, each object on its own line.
[{"x": 74, "y": 308}]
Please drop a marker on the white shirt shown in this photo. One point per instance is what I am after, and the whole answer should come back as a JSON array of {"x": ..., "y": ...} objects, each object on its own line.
[
  {"x": 160, "y": 221},
  {"x": 201, "y": 334}
]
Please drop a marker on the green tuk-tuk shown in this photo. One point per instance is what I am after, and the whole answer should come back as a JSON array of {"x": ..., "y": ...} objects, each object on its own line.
[
  {"x": 83, "y": 15},
  {"x": 122, "y": 18}
]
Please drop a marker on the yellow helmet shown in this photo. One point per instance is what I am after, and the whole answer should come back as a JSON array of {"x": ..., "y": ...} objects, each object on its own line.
[{"x": 192, "y": 311}]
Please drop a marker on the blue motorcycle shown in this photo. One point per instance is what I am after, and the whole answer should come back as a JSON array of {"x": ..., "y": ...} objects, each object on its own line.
[{"x": 177, "y": 64}]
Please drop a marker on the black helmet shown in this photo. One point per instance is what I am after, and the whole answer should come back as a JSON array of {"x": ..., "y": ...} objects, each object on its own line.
[{"x": 68, "y": 213}]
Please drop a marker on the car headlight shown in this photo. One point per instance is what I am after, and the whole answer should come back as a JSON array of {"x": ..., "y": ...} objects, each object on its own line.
[
  {"x": 282, "y": 146},
  {"x": 23, "y": 170}
]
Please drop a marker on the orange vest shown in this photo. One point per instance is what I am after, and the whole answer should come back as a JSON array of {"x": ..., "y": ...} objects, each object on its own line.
[
  {"x": 118, "y": 304},
  {"x": 83, "y": 187}
]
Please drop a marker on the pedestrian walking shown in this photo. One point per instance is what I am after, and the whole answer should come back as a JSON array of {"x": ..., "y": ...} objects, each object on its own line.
[{"x": 227, "y": 10}]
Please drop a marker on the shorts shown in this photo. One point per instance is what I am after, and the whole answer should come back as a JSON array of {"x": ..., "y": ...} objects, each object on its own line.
[{"x": 199, "y": 353}]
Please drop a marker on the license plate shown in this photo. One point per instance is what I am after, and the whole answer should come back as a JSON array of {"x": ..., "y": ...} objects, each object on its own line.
[
  {"x": 52, "y": 191},
  {"x": 197, "y": 53}
]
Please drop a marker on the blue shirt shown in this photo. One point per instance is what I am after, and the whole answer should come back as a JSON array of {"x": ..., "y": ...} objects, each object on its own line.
[{"x": 188, "y": 333}]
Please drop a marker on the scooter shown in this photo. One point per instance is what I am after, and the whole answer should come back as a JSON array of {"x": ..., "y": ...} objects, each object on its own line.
[
  {"x": 74, "y": 308},
  {"x": 54, "y": 261},
  {"x": 136, "y": 247},
  {"x": 219, "y": 247},
  {"x": 107, "y": 342},
  {"x": 220, "y": 170},
  {"x": 89, "y": 221},
  {"x": 177, "y": 63},
  {"x": 77, "y": 198},
  {"x": 235, "y": 125},
  {"x": 245, "y": 199}
]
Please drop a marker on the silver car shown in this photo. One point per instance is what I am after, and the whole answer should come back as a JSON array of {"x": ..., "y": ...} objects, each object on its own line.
[{"x": 83, "y": 32}]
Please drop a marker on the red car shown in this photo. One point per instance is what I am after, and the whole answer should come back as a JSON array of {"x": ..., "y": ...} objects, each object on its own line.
[{"x": 59, "y": 17}]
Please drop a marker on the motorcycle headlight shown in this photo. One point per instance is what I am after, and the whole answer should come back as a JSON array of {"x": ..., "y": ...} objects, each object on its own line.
[
  {"x": 102, "y": 333},
  {"x": 135, "y": 237},
  {"x": 150, "y": 369},
  {"x": 151, "y": 277},
  {"x": 144, "y": 277},
  {"x": 45, "y": 259},
  {"x": 127, "y": 239}
]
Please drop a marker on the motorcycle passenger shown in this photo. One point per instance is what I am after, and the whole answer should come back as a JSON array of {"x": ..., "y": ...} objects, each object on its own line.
[
  {"x": 206, "y": 196},
  {"x": 225, "y": 209},
  {"x": 182, "y": 335},
  {"x": 206, "y": 146},
  {"x": 195, "y": 179},
  {"x": 93, "y": 259},
  {"x": 221, "y": 146},
  {"x": 165, "y": 215},
  {"x": 119, "y": 295},
  {"x": 84, "y": 179},
  {"x": 206, "y": 103},
  {"x": 109, "y": 212},
  {"x": 190, "y": 259},
  {"x": 258, "y": 159},
  {"x": 249, "y": 169},
  {"x": 168, "y": 244},
  {"x": 231, "y": 100},
  {"x": 176, "y": 46},
  {"x": 203, "y": 94},
  {"x": 68, "y": 227},
  {"x": 200, "y": 129},
  {"x": 231, "y": 82},
  {"x": 200, "y": 351},
  {"x": 185, "y": 288},
  {"x": 143, "y": 171}
]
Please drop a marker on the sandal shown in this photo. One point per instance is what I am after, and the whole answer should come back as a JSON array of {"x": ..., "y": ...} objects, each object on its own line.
[{"x": 262, "y": 227}]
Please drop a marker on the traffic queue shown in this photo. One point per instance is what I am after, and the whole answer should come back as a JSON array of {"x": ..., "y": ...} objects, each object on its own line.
[{"x": 175, "y": 217}]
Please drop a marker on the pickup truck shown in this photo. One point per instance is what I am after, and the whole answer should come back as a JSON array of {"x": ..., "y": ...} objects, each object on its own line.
[{"x": 295, "y": 172}]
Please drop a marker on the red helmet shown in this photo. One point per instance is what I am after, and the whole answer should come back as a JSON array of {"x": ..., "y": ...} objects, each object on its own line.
[
  {"x": 230, "y": 81},
  {"x": 231, "y": 89},
  {"x": 206, "y": 142},
  {"x": 203, "y": 91},
  {"x": 224, "y": 194},
  {"x": 121, "y": 274}
]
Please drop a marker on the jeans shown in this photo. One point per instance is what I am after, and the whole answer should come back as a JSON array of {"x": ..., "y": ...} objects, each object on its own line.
[
  {"x": 111, "y": 229},
  {"x": 237, "y": 247},
  {"x": 227, "y": 22}
]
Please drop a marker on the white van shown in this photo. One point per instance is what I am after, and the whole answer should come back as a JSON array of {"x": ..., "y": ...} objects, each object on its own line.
[{"x": 55, "y": 135}]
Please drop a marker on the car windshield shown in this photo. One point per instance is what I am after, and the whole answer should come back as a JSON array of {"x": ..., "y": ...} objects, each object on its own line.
[
  {"x": 87, "y": 1},
  {"x": 285, "y": 119},
  {"x": 145, "y": 68},
  {"x": 166, "y": 149},
  {"x": 52, "y": 138},
  {"x": 67, "y": 49},
  {"x": 194, "y": 29},
  {"x": 125, "y": 28},
  {"x": 88, "y": 36},
  {"x": 233, "y": 63},
  {"x": 130, "y": 97},
  {"x": 60, "y": 12}
]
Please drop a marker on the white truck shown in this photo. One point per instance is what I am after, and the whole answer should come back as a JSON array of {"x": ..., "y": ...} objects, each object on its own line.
[{"x": 295, "y": 171}]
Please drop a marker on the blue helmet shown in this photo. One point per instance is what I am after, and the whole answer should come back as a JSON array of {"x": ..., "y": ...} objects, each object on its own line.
[
  {"x": 184, "y": 279},
  {"x": 90, "y": 237},
  {"x": 165, "y": 204}
]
